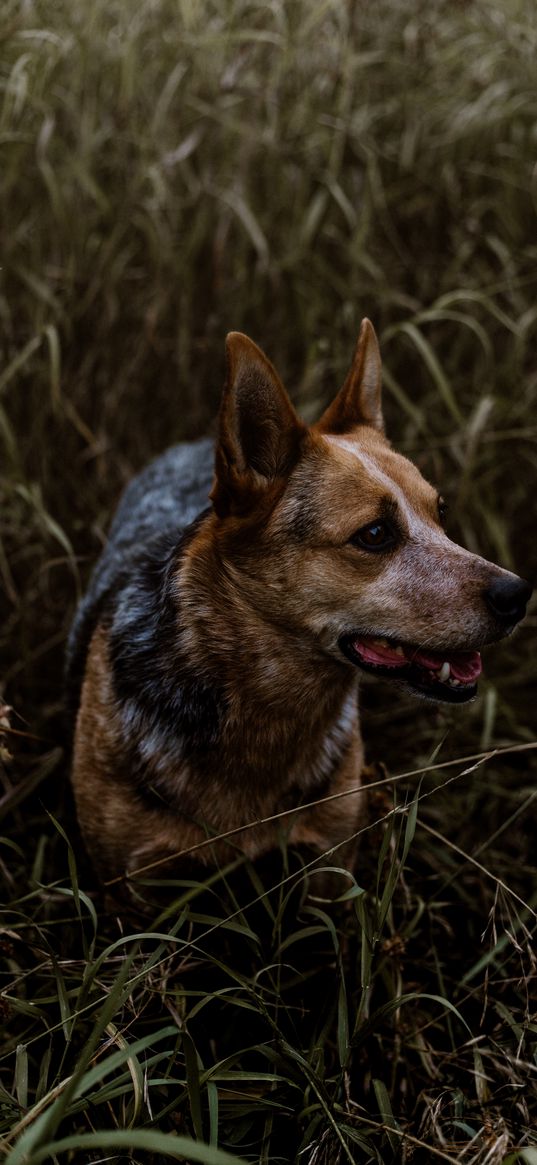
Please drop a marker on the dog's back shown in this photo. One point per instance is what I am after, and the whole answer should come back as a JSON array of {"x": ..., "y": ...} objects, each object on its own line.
[{"x": 156, "y": 508}]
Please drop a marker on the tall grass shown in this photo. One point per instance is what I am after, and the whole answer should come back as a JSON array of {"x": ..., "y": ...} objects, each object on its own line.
[{"x": 169, "y": 171}]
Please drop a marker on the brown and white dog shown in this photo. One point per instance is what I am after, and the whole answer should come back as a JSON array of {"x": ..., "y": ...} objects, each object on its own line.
[{"x": 216, "y": 657}]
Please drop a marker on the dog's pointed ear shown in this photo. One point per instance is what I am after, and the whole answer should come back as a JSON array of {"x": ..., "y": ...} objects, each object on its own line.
[
  {"x": 259, "y": 432},
  {"x": 359, "y": 402}
]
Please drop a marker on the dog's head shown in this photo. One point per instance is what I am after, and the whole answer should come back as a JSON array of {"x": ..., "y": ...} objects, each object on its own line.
[{"x": 340, "y": 540}]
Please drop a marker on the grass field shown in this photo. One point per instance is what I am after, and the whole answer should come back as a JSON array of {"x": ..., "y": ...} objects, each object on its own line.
[{"x": 170, "y": 170}]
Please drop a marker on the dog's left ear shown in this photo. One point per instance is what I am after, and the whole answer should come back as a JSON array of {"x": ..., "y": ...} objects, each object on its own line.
[
  {"x": 260, "y": 433},
  {"x": 359, "y": 402}
]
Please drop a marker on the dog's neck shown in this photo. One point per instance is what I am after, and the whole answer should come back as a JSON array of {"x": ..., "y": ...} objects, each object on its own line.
[
  {"x": 284, "y": 701},
  {"x": 208, "y": 683}
]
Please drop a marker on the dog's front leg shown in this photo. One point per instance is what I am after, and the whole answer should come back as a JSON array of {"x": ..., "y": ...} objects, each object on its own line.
[{"x": 331, "y": 827}]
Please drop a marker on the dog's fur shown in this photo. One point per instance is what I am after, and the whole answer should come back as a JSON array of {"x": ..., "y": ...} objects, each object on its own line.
[{"x": 213, "y": 686}]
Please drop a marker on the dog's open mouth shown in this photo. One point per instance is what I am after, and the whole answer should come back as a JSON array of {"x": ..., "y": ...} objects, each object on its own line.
[{"x": 441, "y": 675}]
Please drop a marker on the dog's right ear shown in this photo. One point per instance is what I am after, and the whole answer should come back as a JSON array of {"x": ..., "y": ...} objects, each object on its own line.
[
  {"x": 260, "y": 434},
  {"x": 359, "y": 402}
]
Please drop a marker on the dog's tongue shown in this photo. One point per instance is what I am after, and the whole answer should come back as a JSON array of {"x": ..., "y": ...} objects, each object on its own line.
[
  {"x": 464, "y": 666},
  {"x": 375, "y": 651}
]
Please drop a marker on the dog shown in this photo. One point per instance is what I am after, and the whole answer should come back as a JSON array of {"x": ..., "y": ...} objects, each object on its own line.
[{"x": 215, "y": 659}]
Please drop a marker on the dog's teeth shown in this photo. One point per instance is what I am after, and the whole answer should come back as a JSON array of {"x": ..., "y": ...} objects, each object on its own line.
[
  {"x": 381, "y": 642},
  {"x": 443, "y": 674},
  {"x": 399, "y": 650}
]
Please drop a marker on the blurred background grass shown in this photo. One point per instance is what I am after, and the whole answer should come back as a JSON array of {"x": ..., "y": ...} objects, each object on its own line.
[{"x": 171, "y": 170}]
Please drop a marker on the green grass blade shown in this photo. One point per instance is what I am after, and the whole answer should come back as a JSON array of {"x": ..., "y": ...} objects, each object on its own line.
[{"x": 148, "y": 1140}]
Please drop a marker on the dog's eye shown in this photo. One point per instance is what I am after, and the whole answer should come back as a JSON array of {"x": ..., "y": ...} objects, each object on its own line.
[
  {"x": 375, "y": 536},
  {"x": 442, "y": 512}
]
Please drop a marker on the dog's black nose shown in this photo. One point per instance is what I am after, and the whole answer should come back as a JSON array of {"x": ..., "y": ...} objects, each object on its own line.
[{"x": 507, "y": 598}]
